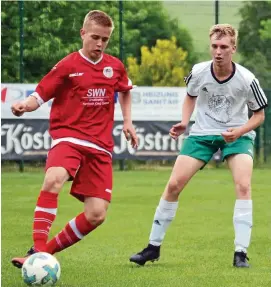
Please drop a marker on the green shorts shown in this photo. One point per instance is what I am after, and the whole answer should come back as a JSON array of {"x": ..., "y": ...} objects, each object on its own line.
[{"x": 204, "y": 147}]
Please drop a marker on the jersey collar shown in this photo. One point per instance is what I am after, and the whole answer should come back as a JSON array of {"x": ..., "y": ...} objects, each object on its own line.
[
  {"x": 87, "y": 59},
  {"x": 226, "y": 80}
]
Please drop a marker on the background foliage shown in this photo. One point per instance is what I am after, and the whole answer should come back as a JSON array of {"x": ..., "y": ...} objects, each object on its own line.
[
  {"x": 163, "y": 65},
  {"x": 255, "y": 39},
  {"x": 51, "y": 31}
]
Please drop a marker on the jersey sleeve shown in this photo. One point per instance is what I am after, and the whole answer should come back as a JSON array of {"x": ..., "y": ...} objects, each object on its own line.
[
  {"x": 124, "y": 84},
  {"x": 50, "y": 83},
  {"x": 256, "y": 97},
  {"x": 191, "y": 83}
]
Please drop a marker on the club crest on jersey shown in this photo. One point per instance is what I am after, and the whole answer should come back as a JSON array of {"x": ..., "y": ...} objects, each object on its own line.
[{"x": 108, "y": 72}]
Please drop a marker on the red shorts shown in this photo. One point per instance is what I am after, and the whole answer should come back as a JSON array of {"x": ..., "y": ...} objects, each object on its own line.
[{"x": 90, "y": 169}]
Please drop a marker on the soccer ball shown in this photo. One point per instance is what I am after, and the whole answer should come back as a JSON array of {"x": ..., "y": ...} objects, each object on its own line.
[{"x": 41, "y": 269}]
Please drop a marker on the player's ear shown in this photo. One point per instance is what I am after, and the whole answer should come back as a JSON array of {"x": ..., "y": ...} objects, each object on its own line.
[{"x": 82, "y": 33}]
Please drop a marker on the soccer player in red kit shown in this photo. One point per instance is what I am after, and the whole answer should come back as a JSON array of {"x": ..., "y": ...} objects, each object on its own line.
[{"x": 81, "y": 122}]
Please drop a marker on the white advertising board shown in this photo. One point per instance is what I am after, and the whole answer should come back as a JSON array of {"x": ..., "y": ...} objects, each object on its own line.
[{"x": 148, "y": 103}]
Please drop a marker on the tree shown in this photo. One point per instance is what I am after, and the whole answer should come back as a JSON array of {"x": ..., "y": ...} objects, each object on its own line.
[
  {"x": 147, "y": 21},
  {"x": 51, "y": 31},
  {"x": 255, "y": 39},
  {"x": 163, "y": 65},
  {"x": 266, "y": 31}
]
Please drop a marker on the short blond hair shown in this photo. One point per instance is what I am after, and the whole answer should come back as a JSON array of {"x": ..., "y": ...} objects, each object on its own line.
[
  {"x": 100, "y": 18},
  {"x": 222, "y": 30}
]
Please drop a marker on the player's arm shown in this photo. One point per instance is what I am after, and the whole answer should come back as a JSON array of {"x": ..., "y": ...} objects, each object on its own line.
[
  {"x": 45, "y": 90},
  {"x": 191, "y": 82},
  {"x": 126, "y": 105},
  {"x": 128, "y": 128},
  {"x": 255, "y": 121},
  {"x": 188, "y": 106},
  {"x": 50, "y": 84},
  {"x": 257, "y": 101},
  {"x": 30, "y": 104},
  {"x": 123, "y": 87}
]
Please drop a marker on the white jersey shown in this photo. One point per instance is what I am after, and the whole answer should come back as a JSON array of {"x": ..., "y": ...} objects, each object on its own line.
[{"x": 223, "y": 104}]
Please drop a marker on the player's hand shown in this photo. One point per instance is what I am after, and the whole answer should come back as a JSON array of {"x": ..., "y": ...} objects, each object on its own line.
[
  {"x": 231, "y": 134},
  {"x": 18, "y": 109},
  {"x": 130, "y": 134},
  {"x": 177, "y": 130}
]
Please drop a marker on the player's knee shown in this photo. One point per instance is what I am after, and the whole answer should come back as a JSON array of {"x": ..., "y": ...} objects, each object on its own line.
[
  {"x": 53, "y": 181},
  {"x": 175, "y": 186},
  {"x": 243, "y": 189},
  {"x": 95, "y": 218}
]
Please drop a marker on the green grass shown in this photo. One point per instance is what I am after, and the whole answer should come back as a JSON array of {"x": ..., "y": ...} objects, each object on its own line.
[
  {"x": 197, "y": 251},
  {"x": 199, "y": 16}
]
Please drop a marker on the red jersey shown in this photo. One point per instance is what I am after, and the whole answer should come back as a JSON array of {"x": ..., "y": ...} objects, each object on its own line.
[{"x": 83, "y": 92}]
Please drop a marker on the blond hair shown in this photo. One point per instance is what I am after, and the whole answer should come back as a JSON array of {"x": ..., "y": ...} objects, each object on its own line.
[
  {"x": 222, "y": 30},
  {"x": 99, "y": 17}
]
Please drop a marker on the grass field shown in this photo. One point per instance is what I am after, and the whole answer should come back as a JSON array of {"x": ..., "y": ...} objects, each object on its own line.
[
  {"x": 197, "y": 251},
  {"x": 199, "y": 16}
]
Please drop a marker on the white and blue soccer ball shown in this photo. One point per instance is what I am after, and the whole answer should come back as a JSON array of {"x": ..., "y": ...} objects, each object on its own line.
[{"x": 41, "y": 269}]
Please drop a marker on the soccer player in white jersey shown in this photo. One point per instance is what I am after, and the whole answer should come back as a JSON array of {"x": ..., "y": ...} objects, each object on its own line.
[{"x": 222, "y": 92}]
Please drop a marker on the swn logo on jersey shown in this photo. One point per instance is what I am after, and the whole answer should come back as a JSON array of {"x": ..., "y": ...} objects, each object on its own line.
[
  {"x": 96, "y": 97},
  {"x": 96, "y": 93},
  {"x": 76, "y": 75}
]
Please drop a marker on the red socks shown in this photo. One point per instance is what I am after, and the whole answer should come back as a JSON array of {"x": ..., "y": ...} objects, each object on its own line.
[
  {"x": 45, "y": 213},
  {"x": 73, "y": 232}
]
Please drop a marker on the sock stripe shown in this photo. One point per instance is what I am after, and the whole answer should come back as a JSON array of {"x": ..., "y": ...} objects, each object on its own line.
[
  {"x": 43, "y": 220},
  {"x": 40, "y": 231},
  {"x": 59, "y": 242},
  {"x": 75, "y": 229},
  {"x": 67, "y": 236},
  {"x": 47, "y": 210}
]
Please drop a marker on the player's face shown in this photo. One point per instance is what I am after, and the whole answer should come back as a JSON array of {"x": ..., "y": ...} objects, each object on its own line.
[
  {"x": 95, "y": 39},
  {"x": 222, "y": 50}
]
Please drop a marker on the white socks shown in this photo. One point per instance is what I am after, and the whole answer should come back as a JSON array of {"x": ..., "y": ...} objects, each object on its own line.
[
  {"x": 242, "y": 221},
  {"x": 165, "y": 213}
]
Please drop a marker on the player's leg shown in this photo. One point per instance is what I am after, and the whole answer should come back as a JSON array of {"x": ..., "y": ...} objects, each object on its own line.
[
  {"x": 93, "y": 185},
  {"x": 62, "y": 163},
  {"x": 76, "y": 229},
  {"x": 185, "y": 167},
  {"x": 195, "y": 153},
  {"x": 241, "y": 166},
  {"x": 46, "y": 206}
]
